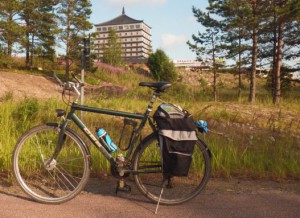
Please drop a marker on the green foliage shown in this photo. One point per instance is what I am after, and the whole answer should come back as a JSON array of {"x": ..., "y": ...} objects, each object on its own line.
[
  {"x": 207, "y": 43},
  {"x": 203, "y": 82},
  {"x": 269, "y": 160},
  {"x": 112, "y": 51},
  {"x": 6, "y": 61},
  {"x": 73, "y": 16},
  {"x": 161, "y": 66},
  {"x": 10, "y": 30},
  {"x": 26, "y": 110},
  {"x": 234, "y": 154}
]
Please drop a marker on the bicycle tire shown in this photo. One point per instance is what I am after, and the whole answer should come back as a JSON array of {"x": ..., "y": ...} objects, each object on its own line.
[
  {"x": 64, "y": 177},
  {"x": 149, "y": 177}
]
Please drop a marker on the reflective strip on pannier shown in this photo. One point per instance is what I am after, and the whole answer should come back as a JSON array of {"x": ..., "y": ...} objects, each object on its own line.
[
  {"x": 177, "y": 138},
  {"x": 178, "y": 135}
]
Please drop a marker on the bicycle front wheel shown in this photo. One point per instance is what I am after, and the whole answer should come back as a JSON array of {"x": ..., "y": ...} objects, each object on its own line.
[
  {"x": 43, "y": 178},
  {"x": 174, "y": 190}
]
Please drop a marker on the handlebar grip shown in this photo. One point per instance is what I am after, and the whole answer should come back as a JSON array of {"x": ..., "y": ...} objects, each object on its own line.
[{"x": 58, "y": 80}]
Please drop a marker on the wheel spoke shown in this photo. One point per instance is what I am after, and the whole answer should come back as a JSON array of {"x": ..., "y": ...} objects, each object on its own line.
[
  {"x": 177, "y": 189},
  {"x": 50, "y": 182}
]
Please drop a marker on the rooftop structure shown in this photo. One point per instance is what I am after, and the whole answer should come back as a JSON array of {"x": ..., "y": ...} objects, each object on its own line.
[{"x": 134, "y": 36}]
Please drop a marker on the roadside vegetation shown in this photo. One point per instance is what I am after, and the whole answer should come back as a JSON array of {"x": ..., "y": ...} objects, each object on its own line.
[
  {"x": 247, "y": 141},
  {"x": 254, "y": 122}
]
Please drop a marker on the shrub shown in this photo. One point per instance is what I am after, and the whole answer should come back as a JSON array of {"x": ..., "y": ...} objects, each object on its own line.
[{"x": 161, "y": 66}]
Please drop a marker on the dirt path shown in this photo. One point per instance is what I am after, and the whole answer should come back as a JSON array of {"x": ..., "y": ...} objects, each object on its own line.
[
  {"x": 25, "y": 85},
  {"x": 220, "y": 199}
]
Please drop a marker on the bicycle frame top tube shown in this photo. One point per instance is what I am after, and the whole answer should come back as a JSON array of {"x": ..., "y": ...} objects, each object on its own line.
[
  {"x": 105, "y": 111},
  {"x": 143, "y": 117}
]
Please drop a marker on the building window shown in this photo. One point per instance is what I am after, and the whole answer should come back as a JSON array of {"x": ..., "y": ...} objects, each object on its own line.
[
  {"x": 120, "y": 27},
  {"x": 137, "y": 26},
  {"x": 131, "y": 27},
  {"x": 99, "y": 29},
  {"x": 104, "y": 29}
]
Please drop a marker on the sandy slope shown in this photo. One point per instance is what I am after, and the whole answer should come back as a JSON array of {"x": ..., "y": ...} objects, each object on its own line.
[{"x": 24, "y": 85}]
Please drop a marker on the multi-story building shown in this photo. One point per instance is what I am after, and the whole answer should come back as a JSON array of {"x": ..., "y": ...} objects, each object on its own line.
[{"x": 134, "y": 35}]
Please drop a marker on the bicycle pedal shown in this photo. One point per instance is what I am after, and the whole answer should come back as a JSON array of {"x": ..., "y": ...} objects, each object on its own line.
[{"x": 123, "y": 187}]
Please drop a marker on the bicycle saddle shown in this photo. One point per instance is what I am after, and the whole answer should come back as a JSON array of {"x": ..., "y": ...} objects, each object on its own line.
[{"x": 158, "y": 86}]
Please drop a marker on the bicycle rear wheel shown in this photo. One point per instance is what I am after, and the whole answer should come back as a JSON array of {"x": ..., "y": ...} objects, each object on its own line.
[
  {"x": 149, "y": 177},
  {"x": 44, "y": 179}
]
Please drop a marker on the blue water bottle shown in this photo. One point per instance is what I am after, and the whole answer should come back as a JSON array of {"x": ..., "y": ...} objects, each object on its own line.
[{"x": 106, "y": 141}]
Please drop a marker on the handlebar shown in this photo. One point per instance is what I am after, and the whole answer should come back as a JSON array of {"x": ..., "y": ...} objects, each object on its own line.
[{"x": 71, "y": 86}]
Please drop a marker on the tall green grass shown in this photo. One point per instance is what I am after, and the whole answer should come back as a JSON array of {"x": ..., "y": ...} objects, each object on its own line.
[
  {"x": 254, "y": 157},
  {"x": 235, "y": 154},
  {"x": 265, "y": 159}
]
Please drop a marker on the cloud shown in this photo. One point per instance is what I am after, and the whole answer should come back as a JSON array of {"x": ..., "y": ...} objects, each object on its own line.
[
  {"x": 169, "y": 41},
  {"x": 136, "y": 2}
]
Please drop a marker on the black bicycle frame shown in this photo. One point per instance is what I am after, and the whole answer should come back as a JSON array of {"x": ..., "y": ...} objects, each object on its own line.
[{"x": 72, "y": 116}]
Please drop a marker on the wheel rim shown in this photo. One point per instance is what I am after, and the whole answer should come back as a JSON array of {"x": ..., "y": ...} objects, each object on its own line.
[
  {"x": 183, "y": 188},
  {"x": 46, "y": 179}
]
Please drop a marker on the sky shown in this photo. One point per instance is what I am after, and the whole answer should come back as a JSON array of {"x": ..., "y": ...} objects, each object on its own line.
[{"x": 172, "y": 22}]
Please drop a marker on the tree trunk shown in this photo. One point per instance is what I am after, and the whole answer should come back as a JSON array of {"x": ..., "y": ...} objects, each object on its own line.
[
  {"x": 239, "y": 69},
  {"x": 254, "y": 54},
  {"x": 67, "y": 57},
  {"x": 9, "y": 40},
  {"x": 27, "y": 48},
  {"x": 274, "y": 64},
  {"x": 9, "y": 48},
  {"x": 31, "y": 52},
  {"x": 274, "y": 53},
  {"x": 214, "y": 70},
  {"x": 278, "y": 63}
]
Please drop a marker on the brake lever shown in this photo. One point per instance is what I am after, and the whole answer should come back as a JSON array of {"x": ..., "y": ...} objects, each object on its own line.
[
  {"x": 58, "y": 80},
  {"x": 78, "y": 80}
]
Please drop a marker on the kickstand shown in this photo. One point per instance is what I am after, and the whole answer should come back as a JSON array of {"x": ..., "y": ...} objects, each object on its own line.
[
  {"x": 122, "y": 186},
  {"x": 161, "y": 192}
]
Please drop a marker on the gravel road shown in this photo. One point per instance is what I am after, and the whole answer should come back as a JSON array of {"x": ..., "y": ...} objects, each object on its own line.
[{"x": 221, "y": 198}]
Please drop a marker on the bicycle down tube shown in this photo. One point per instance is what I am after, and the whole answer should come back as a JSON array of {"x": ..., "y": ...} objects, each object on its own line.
[{"x": 72, "y": 116}]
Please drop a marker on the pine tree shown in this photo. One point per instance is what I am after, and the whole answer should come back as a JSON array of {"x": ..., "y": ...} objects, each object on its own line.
[
  {"x": 254, "y": 27},
  {"x": 208, "y": 42},
  {"x": 235, "y": 32},
  {"x": 29, "y": 15},
  {"x": 73, "y": 15},
  {"x": 280, "y": 28},
  {"x": 112, "y": 50},
  {"x": 40, "y": 28},
  {"x": 47, "y": 29},
  {"x": 10, "y": 30}
]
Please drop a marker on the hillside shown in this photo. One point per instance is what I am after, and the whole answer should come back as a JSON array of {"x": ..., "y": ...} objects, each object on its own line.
[
  {"x": 242, "y": 137},
  {"x": 25, "y": 85}
]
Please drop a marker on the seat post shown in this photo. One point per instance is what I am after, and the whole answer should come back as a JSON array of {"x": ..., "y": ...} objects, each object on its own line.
[{"x": 152, "y": 100}]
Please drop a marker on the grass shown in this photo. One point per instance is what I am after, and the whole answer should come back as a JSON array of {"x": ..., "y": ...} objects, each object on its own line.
[
  {"x": 264, "y": 159},
  {"x": 260, "y": 144}
]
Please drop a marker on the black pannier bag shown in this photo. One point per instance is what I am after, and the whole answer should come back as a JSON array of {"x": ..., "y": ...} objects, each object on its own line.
[{"x": 177, "y": 136}]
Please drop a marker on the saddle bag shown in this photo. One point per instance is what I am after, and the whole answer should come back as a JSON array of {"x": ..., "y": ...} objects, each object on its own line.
[{"x": 177, "y": 138}]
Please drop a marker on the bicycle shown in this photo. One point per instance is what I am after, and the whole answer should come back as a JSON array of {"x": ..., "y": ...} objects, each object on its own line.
[{"x": 51, "y": 162}]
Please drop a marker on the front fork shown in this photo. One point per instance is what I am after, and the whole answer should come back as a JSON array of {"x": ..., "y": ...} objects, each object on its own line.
[{"x": 61, "y": 138}]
